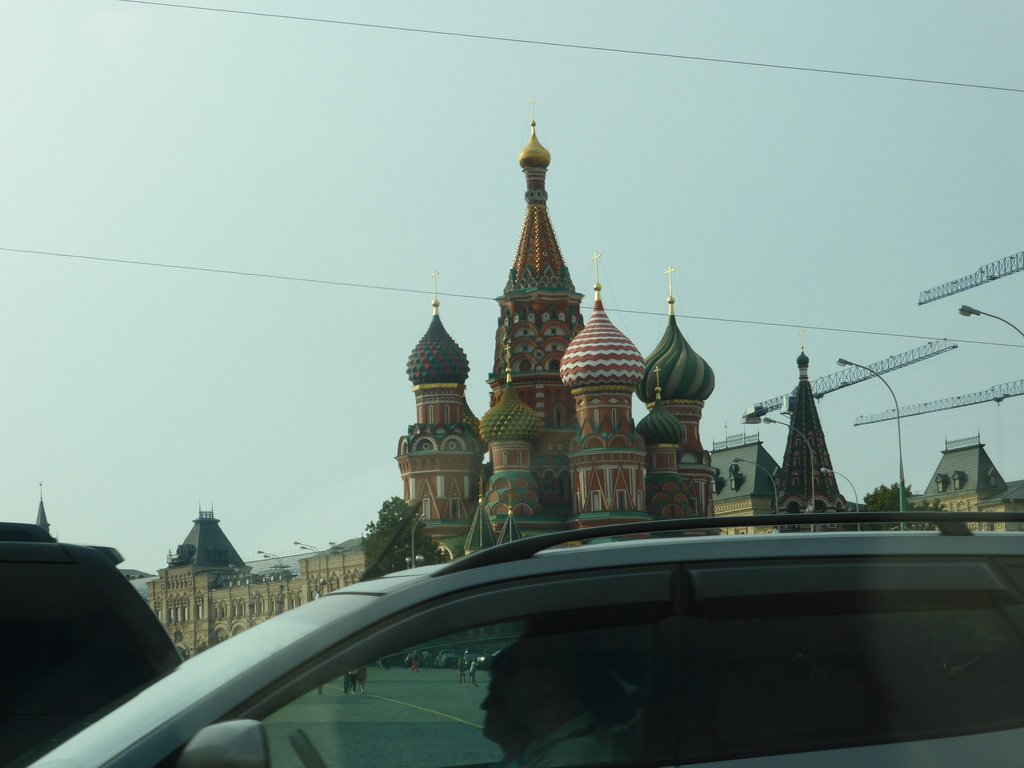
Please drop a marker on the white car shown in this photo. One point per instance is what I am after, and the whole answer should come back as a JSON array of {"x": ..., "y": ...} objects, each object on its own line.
[{"x": 884, "y": 648}]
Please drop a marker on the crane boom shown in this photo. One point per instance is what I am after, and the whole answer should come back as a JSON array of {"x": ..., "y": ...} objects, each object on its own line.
[
  {"x": 847, "y": 376},
  {"x": 985, "y": 274},
  {"x": 994, "y": 394}
]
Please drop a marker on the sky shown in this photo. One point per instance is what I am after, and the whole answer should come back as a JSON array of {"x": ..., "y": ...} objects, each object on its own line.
[{"x": 217, "y": 231}]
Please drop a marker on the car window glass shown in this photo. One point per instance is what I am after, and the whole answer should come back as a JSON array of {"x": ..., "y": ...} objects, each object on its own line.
[
  {"x": 523, "y": 693},
  {"x": 810, "y": 672}
]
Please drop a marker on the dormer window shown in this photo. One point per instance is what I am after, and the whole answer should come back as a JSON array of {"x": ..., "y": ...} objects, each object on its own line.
[
  {"x": 718, "y": 480},
  {"x": 735, "y": 477},
  {"x": 941, "y": 482},
  {"x": 959, "y": 480}
]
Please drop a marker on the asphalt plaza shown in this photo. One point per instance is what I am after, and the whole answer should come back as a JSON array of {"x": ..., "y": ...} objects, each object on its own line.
[{"x": 404, "y": 718}]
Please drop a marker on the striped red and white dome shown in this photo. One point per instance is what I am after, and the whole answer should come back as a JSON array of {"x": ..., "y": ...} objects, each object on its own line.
[{"x": 601, "y": 355}]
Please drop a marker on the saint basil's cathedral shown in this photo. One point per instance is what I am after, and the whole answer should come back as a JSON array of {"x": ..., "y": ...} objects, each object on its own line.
[{"x": 564, "y": 451}]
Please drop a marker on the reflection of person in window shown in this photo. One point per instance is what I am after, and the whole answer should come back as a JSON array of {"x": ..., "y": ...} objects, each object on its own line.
[
  {"x": 504, "y": 730},
  {"x": 565, "y": 696}
]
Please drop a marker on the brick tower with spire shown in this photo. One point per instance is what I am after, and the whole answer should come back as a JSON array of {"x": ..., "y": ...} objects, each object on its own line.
[
  {"x": 539, "y": 315},
  {"x": 806, "y": 454}
]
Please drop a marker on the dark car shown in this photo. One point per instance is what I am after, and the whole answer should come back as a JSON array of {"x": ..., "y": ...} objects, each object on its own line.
[
  {"x": 77, "y": 636},
  {"x": 843, "y": 649}
]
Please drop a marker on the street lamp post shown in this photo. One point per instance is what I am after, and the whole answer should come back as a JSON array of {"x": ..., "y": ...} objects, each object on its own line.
[
  {"x": 282, "y": 569},
  {"x": 412, "y": 560},
  {"x": 968, "y": 311},
  {"x": 775, "y": 487},
  {"x": 319, "y": 567},
  {"x": 899, "y": 429},
  {"x": 827, "y": 471}
]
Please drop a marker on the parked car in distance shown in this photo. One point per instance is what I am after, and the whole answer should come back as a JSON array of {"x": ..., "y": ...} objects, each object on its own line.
[
  {"x": 77, "y": 636},
  {"x": 884, "y": 648}
]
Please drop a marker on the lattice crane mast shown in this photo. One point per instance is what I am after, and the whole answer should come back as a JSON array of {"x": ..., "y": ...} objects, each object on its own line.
[
  {"x": 994, "y": 394},
  {"x": 985, "y": 274},
  {"x": 847, "y": 376}
]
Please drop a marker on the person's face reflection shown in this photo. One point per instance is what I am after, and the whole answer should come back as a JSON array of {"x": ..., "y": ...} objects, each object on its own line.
[{"x": 520, "y": 681}]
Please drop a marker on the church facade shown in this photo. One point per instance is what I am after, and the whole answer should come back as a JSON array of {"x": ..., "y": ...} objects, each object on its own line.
[{"x": 558, "y": 447}]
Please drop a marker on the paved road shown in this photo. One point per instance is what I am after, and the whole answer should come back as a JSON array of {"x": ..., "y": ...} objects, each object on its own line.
[{"x": 409, "y": 719}]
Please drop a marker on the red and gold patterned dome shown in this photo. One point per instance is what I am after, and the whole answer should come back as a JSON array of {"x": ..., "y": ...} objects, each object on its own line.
[{"x": 601, "y": 355}]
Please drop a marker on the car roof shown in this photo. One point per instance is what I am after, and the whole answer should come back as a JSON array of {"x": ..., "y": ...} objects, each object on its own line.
[{"x": 271, "y": 649}]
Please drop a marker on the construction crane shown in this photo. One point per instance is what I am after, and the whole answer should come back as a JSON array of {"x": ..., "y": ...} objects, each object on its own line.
[
  {"x": 847, "y": 376},
  {"x": 994, "y": 394},
  {"x": 985, "y": 274}
]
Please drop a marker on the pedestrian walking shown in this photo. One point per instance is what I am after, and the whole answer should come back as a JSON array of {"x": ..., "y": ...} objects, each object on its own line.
[
  {"x": 361, "y": 679},
  {"x": 350, "y": 681},
  {"x": 472, "y": 672},
  {"x": 463, "y": 665}
]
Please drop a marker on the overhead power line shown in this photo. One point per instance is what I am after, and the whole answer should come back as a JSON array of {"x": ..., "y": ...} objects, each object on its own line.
[
  {"x": 371, "y": 287},
  {"x": 576, "y": 46}
]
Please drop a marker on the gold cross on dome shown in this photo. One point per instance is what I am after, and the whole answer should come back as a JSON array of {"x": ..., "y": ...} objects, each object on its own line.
[
  {"x": 435, "y": 303},
  {"x": 671, "y": 298}
]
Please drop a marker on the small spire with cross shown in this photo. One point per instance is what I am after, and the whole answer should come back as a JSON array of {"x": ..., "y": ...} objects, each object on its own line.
[
  {"x": 671, "y": 298},
  {"x": 657, "y": 382},
  {"x": 508, "y": 363},
  {"x": 597, "y": 275},
  {"x": 435, "y": 303}
]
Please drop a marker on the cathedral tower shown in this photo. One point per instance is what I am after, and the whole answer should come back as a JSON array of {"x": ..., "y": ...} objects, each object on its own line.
[
  {"x": 539, "y": 316},
  {"x": 664, "y": 487},
  {"x": 606, "y": 454},
  {"x": 686, "y": 381},
  {"x": 440, "y": 455},
  {"x": 510, "y": 429}
]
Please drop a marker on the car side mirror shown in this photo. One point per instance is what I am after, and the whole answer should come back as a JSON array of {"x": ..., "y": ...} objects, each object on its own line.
[{"x": 231, "y": 744}]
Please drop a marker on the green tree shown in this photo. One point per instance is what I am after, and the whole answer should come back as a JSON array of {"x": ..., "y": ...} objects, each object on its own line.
[
  {"x": 885, "y": 498},
  {"x": 386, "y": 541}
]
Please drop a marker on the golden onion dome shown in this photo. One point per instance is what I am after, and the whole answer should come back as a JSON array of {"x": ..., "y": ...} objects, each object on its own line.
[
  {"x": 534, "y": 155},
  {"x": 510, "y": 419}
]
